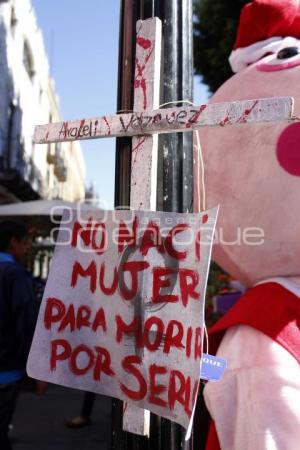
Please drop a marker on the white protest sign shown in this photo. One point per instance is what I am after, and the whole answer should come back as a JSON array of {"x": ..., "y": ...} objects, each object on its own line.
[{"x": 122, "y": 312}]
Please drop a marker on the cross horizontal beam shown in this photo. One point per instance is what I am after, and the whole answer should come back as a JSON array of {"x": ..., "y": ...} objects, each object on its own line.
[{"x": 179, "y": 119}]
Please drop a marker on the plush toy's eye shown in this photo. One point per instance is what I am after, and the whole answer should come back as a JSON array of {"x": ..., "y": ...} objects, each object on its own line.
[{"x": 288, "y": 52}]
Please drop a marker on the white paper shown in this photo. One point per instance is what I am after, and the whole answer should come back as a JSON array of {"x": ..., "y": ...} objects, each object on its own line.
[{"x": 98, "y": 286}]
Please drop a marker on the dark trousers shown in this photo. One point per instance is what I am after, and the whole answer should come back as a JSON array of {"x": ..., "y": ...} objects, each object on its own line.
[
  {"x": 87, "y": 405},
  {"x": 8, "y": 398}
]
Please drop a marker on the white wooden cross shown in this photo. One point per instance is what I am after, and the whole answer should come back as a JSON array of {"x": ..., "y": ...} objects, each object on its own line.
[{"x": 143, "y": 125}]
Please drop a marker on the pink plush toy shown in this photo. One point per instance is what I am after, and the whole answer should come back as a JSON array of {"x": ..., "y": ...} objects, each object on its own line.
[{"x": 253, "y": 172}]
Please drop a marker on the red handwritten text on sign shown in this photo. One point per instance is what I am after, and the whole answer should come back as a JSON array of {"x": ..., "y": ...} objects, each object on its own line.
[{"x": 122, "y": 312}]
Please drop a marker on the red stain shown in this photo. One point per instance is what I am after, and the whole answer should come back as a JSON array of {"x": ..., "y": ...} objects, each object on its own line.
[
  {"x": 224, "y": 121},
  {"x": 107, "y": 124},
  {"x": 125, "y": 406},
  {"x": 198, "y": 245},
  {"x": 47, "y": 135},
  {"x": 246, "y": 113},
  {"x": 139, "y": 144},
  {"x": 140, "y": 81},
  {"x": 205, "y": 218},
  {"x": 137, "y": 147},
  {"x": 195, "y": 117},
  {"x": 144, "y": 43}
]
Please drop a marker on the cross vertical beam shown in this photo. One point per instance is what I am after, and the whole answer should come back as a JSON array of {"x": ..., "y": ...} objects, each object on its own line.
[
  {"x": 128, "y": 16},
  {"x": 146, "y": 96},
  {"x": 144, "y": 160}
]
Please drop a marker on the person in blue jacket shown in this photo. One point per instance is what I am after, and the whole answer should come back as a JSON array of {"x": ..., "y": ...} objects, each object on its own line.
[{"x": 17, "y": 319}]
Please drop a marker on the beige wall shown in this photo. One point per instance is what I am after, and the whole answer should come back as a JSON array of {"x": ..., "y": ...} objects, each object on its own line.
[{"x": 34, "y": 93}]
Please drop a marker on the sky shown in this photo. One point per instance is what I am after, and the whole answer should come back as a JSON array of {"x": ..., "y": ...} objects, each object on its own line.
[{"x": 81, "y": 41}]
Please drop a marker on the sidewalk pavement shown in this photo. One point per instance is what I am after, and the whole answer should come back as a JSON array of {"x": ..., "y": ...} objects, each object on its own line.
[{"x": 38, "y": 422}]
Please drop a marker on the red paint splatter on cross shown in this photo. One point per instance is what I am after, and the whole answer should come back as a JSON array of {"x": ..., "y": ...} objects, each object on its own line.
[
  {"x": 195, "y": 117},
  {"x": 140, "y": 66},
  {"x": 144, "y": 43},
  {"x": 224, "y": 121},
  {"x": 140, "y": 82},
  {"x": 139, "y": 144},
  {"x": 205, "y": 218},
  {"x": 137, "y": 147},
  {"x": 246, "y": 113}
]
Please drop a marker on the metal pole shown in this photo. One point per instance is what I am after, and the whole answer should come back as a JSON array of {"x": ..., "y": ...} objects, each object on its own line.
[
  {"x": 129, "y": 14},
  {"x": 128, "y": 17},
  {"x": 175, "y": 184},
  {"x": 175, "y": 158},
  {"x": 175, "y": 163}
]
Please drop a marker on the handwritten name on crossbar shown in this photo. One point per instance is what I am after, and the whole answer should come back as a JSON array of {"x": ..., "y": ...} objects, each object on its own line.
[{"x": 169, "y": 120}]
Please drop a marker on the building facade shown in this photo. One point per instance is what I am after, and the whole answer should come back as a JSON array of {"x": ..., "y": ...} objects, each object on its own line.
[{"x": 27, "y": 98}]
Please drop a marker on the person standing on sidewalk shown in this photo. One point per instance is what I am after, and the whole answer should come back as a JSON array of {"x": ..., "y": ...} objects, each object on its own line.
[{"x": 17, "y": 319}]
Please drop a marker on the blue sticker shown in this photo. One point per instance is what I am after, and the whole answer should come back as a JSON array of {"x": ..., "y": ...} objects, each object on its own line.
[{"x": 212, "y": 368}]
